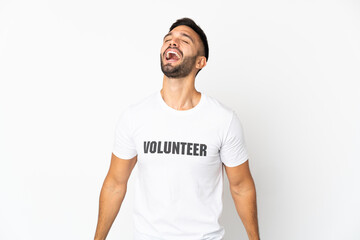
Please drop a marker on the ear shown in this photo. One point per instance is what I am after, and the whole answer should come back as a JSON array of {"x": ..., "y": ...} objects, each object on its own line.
[{"x": 200, "y": 62}]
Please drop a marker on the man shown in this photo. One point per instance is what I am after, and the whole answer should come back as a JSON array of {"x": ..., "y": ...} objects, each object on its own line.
[{"x": 180, "y": 139}]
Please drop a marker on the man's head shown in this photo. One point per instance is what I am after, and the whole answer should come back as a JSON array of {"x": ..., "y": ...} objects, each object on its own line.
[{"x": 185, "y": 49}]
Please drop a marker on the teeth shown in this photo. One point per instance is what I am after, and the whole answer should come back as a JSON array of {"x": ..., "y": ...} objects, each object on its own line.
[{"x": 168, "y": 54}]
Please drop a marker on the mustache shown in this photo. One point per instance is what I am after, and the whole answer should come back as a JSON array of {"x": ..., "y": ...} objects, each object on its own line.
[{"x": 173, "y": 48}]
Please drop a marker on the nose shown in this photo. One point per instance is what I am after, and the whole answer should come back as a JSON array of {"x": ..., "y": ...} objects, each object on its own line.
[{"x": 173, "y": 43}]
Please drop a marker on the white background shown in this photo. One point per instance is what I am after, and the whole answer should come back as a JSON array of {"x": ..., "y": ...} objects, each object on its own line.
[{"x": 290, "y": 69}]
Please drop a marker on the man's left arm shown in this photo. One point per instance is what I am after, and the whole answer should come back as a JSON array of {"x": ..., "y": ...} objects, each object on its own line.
[{"x": 242, "y": 188}]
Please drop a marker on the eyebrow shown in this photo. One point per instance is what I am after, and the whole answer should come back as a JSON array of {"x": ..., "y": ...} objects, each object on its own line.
[{"x": 183, "y": 34}]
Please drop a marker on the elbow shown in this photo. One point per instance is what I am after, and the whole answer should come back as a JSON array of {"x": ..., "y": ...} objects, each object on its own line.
[
  {"x": 244, "y": 188},
  {"x": 114, "y": 186}
]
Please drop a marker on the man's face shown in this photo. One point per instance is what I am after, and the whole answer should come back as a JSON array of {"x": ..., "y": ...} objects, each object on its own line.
[{"x": 179, "y": 52}]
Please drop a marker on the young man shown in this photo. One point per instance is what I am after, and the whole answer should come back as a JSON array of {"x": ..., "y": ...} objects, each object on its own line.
[{"x": 180, "y": 140}]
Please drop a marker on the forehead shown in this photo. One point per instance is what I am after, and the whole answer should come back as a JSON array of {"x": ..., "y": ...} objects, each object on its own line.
[{"x": 187, "y": 30}]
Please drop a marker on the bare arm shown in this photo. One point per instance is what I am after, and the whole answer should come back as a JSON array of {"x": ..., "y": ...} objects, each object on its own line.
[
  {"x": 243, "y": 192},
  {"x": 112, "y": 194}
]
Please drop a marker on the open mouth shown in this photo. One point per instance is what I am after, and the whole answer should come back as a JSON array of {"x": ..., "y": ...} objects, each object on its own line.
[{"x": 172, "y": 56}]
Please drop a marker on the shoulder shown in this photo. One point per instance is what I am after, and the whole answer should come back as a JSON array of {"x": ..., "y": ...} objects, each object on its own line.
[
  {"x": 142, "y": 105},
  {"x": 218, "y": 108}
]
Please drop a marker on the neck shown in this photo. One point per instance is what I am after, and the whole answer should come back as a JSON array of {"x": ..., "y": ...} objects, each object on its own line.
[{"x": 180, "y": 93}]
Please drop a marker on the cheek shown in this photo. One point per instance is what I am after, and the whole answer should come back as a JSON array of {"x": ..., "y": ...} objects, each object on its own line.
[
  {"x": 189, "y": 51},
  {"x": 195, "y": 50}
]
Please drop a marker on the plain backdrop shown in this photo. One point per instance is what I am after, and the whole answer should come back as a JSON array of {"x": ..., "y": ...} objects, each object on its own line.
[{"x": 290, "y": 70}]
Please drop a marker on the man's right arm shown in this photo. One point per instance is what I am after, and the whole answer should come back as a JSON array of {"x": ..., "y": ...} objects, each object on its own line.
[{"x": 112, "y": 193}]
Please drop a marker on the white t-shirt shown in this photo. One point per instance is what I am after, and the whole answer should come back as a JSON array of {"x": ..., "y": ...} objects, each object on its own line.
[{"x": 178, "y": 191}]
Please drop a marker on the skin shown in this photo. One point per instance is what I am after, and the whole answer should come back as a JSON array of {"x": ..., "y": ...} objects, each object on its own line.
[
  {"x": 243, "y": 192},
  {"x": 113, "y": 193},
  {"x": 180, "y": 94}
]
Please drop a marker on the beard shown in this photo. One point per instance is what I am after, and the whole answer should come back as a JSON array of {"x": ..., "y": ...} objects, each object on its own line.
[{"x": 180, "y": 71}]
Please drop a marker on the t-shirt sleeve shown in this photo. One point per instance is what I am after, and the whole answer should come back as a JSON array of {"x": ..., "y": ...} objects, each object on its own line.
[
  {"x": 124, "y": 145},
  {"x": 233, "y": 151}
]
